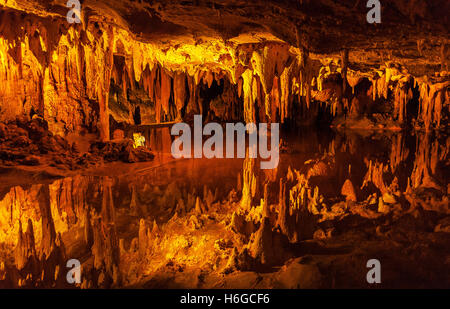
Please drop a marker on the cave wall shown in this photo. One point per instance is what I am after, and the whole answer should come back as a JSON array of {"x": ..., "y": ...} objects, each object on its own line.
[
  {"x": 76, "y": 76},
  {"x": 54, "y": 71}
]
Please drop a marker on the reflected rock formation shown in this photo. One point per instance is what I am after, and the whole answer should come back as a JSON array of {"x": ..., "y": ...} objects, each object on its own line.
[{"x": 86, "y": 170}]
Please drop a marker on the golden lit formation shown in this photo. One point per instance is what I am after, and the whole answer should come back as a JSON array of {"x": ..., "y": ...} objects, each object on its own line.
[{"x": 87, "y": 173}]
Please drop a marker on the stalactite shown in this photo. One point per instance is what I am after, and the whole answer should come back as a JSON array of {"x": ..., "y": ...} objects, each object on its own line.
[
  {"x": 344, "y": 56},
  {"x": 130, "y": 73},
  {"x": 275, "y": 96},
  {"x": 431, "y": 103},
  {"x": 268, "y": 106},
  {"x": 69, "y": 69},
  {"x": 249, "y": 100},
  {"x": 166, "y": 89},
  {"x": 209, "y": 78},
  {"x": 151, "y": 85},
  {"x": 192, "y": 107},
  {"x": 270, "y": 62},
  {"x": 402, "y": 95},
  {"x": 157, "y": 87},
  {"x": 305, "y": 89},
  {"x": 240, "y": 87},
  {"x": 255, "y": 95},
  {"x": 285, "y": 85},
  {"x": 179, "y": 91}
]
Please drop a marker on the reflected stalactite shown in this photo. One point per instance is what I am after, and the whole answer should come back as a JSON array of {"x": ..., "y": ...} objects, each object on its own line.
[
  {"x": 250, "y": 185},
  {"x": 374, "y": 175},
  {"x": 25, "y": 250},
  {"x": 48, "y": 227},
  {"x": 427, "y": 156},
  {"x": 105, "y": 249},
  {"x": 302, "y": 202},
  {"x": 399, "y": 152}
]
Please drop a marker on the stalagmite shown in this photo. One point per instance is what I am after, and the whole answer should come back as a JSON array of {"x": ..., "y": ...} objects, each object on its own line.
[{"x": 200, "y": 208}]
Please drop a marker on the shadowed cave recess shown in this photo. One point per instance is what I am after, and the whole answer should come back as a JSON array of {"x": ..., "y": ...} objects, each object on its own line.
[{"x": 86, "y": 170}]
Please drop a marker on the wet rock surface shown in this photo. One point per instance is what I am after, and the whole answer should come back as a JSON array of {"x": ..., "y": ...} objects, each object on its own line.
[{"x": 30, "y": 143}]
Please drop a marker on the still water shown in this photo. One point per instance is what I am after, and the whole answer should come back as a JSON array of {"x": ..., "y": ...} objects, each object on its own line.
[{"x": 59, "y": 209}]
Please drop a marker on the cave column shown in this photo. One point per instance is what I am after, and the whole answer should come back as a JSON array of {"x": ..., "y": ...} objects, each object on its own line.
[{"x": 103, "y": 89}]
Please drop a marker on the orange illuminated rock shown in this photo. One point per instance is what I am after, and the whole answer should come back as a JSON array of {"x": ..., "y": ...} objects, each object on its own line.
[
  {"x": 261, "y": 244},
  {"x": 25, "y": 250},
  {"x": 348, "y": 191}
]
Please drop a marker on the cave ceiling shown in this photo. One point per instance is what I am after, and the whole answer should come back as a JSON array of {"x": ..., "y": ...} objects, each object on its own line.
[{"x": 412, "y": 33}]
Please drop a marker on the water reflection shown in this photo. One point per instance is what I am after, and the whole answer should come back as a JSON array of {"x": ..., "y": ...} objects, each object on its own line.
[{"x": 97, "y": 218}]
